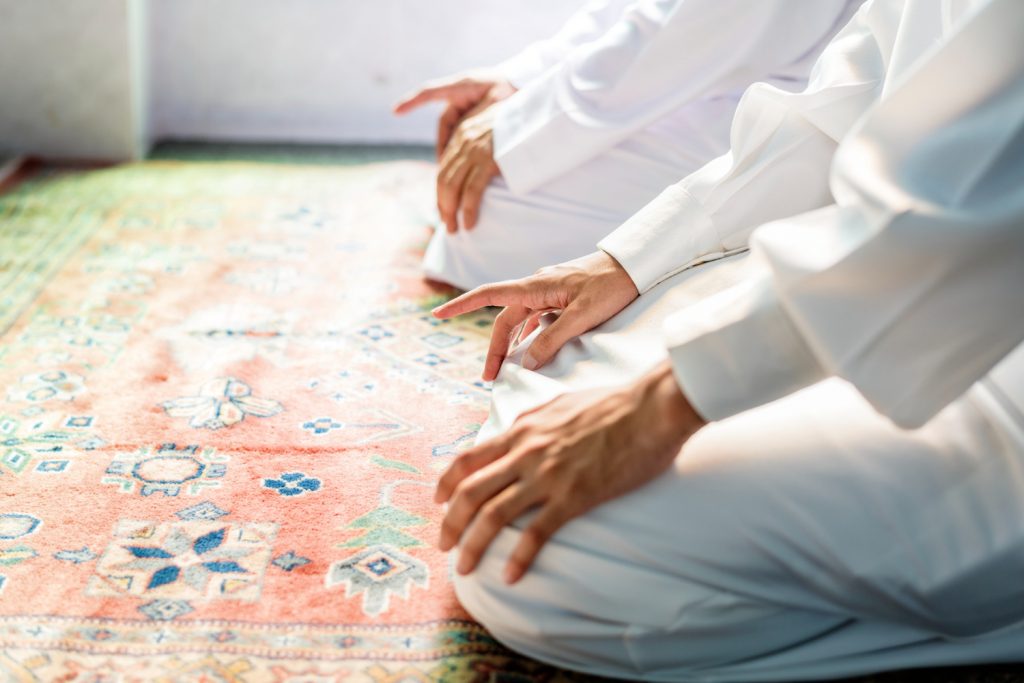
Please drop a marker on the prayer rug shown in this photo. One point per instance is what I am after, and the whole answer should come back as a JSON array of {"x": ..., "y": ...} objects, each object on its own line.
[{"x": 223, "y": 408}]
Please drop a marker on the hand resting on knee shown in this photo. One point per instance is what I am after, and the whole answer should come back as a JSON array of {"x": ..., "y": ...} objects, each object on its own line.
[
  {"x": 588, "y": 291},
  {"x": 465, "y": 140},
  {"x": 565, "y": 457}
]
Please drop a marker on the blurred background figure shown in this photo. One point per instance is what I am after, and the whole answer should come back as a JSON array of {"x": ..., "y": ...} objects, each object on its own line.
[{"x": 591, "y": 124}]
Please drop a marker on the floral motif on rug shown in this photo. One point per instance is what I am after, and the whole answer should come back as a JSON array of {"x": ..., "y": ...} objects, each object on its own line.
[{"x": 223, "y": 407}]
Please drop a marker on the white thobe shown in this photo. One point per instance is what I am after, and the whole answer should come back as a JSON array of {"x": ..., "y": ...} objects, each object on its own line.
[
  {"x": 809, "y": 532},
  {"x": 626, "y": 100}
]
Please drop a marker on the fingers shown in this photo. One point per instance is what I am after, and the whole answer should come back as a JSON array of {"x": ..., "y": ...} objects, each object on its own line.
[
  {"x": 450, "y": 179},
  {"x": 549, "y": 520},
  {"x": 531, "y": 324},
  {"x": 422, "y": 96},
  {"x": 508, "y": 293},
  {"x": 499, "y": 511},
  {"x": 445, "y": 127},
  {"x": 466, "y": 464},
  {"x": 473, "y": 493},
  {"x": 505, "y": 326},
  {"x": 571, "y": 323},
  {"x": 472, "y": 196}
]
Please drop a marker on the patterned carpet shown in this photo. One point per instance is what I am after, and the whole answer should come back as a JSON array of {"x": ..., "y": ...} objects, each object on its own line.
[{"x": 223, "y": 405}]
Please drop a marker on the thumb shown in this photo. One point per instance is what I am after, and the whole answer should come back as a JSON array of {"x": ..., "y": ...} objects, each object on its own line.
[{"x": 571, "y": 323}]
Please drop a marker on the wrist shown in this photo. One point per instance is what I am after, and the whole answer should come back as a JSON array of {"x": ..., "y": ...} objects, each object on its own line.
[
  {"x": 674, "y": 419},
  {"x": 621, "y": 274}
]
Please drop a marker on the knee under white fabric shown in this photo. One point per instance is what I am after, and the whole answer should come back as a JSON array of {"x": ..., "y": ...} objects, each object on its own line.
[{"x": 805, "y": 539}]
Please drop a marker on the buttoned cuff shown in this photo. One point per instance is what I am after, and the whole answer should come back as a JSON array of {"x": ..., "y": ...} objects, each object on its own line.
[
  {"x": 531, "y": 138},
  {"x": 672, "y": 233}
]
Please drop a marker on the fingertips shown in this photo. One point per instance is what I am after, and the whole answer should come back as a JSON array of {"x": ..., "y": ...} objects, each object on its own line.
[
  {"x": 491, "y": 369},
  {"x": 502, "y": 335},
  {"x": 531, "y": 541},
  {"x": 405, "y": 105},
  {"x": 500, "y": 509},
  {"x": 494, "y": 294},
  {"x": 513, "y": 572},
  {"x": 456, "y": 306},
  {"x": 530, "y": 361},
  {"x": 414, "y": 100},
  {"x": 563, "y": 329}
]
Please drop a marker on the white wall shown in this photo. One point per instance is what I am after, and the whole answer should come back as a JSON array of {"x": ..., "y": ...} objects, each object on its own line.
[
  {"x": 101, "y": 78},
  {"x": 322, "y": 70},
  {"x": 70, "y": 85}
]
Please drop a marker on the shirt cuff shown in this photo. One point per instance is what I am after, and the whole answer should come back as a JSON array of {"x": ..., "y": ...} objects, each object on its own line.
[
  {"x": 530, "y": 144},
  {"x": 672, "y": 233},
  {"x": 738, "y": 350},
  {"x": 522, "y": 68}
]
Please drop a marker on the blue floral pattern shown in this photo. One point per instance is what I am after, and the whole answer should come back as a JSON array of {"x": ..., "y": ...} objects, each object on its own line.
[
  {"x": 292, "y": 484},
  {"x": 322, "y": 425},
  {"x": 185, "y": 560}
]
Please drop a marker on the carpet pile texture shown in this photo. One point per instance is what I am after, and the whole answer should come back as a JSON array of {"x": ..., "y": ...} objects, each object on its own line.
[{"x": 223, "y": 408}]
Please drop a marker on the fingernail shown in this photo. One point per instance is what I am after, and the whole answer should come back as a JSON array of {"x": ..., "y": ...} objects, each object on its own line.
[
  {"x": 511, "y": 574},
  {"x": 463, "y": 567},
  {"x": 529, "y": 362}
]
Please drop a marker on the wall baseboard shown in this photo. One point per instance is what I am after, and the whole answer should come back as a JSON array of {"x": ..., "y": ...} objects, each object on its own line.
[{"x": 9, "y": 169}]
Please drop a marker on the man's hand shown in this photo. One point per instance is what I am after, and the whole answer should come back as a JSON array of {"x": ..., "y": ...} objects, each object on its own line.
[
  {"x": 463, "y": 93},
  {"x": 588, "y": 291},
  {"x": 567, "y": 456},
  {"x": 466, "y": 167}
]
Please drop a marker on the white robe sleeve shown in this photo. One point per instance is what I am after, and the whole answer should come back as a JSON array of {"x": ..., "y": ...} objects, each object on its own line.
[
  {"x": 912, "y": 286},
  {"x": 659, "y": 56},
  {"x": 587, "y": 24},
  {"x": 782, "y": 145}
]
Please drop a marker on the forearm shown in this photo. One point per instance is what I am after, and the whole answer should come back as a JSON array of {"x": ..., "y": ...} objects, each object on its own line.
[
  {"x": 638, "y": 71},
  {"x": 587, "y": 24},
  {"x": 782, "y": 148},
  {"x": 909, "y": 287}
]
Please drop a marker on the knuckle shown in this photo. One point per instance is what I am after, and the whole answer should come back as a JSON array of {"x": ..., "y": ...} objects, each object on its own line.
[
  {"x": 551, "y": 468},
  {"x": 493, "y": 515},
  {"x": 467, "y": 493},
  {"x": 448, "y": 527},
  {"x": 535, "y": 536},
  {"x": 503, "y": 318},
  {"x": 522, "y": 427},
  {"x": 458, "y": 467},
  {"x": 541, "y": 346}
]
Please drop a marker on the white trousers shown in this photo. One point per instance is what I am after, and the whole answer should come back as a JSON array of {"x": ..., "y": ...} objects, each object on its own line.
[
  {"x": 517, "y": 234},
  {"x": 806, "y": 539}
]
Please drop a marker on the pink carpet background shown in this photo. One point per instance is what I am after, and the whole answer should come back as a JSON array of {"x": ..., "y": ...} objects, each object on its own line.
[{"x": 223, "y": 407}]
